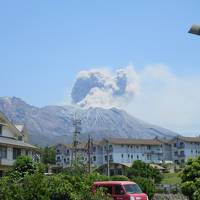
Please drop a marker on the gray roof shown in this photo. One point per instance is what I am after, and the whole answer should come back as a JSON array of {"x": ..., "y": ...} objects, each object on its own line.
[
  {"x": 188, "y": 139},
  {"x": 16, "y": 143},
  {"x": 131, "y": 141}
]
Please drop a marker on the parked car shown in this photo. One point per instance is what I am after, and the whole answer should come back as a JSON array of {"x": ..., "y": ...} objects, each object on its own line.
[{"x": 121, "y": 190}]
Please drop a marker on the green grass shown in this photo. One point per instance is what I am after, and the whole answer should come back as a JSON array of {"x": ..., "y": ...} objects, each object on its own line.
[{"x": 171, "y": 178}]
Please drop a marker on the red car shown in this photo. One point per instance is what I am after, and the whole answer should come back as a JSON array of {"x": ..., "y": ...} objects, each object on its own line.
[{"x": 121, "y": 190}]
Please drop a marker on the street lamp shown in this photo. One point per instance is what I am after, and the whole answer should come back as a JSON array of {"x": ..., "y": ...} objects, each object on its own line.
[{"x": 195, "y": 29}]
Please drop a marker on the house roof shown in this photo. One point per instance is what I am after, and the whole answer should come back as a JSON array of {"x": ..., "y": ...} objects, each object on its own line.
[
  {"x": 188, "y": 139},
  {"x": 130, "y": 141},
  {"x": 16, "y": 143},
  {"x": 70, "y": 146},
  {"x": 5, "y": 121},
  {"x": 157, "y": 166}
]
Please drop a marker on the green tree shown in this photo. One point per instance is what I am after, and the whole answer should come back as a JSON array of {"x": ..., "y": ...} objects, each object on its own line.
[
  {"x": 190, "y": 179},
  {"x": 24, "y": 165},
  {"x": 145, "y": 176},
  {"x": 48, "y": 155},
  {"x": 141, "y": 169}
]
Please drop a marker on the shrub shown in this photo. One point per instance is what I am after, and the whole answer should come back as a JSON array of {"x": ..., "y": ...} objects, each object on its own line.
[
  {"x": 119, "y": 178},
  {"x": 190, "y": 177},
  {"x": 141, "y": 169}
]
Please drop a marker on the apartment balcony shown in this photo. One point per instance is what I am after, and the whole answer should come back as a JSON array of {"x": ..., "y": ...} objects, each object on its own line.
[
  {"x": 181, "y": 147},
  {"x": 6, "y": 162},
  {"x": 154, "y": 152},
  {"x": 181, "y": 155}
]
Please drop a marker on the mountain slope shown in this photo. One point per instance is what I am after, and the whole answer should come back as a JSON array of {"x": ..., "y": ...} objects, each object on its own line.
[{"x": 53, "y": 124}]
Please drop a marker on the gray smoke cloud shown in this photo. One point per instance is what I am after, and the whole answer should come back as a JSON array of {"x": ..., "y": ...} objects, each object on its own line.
[{"x": 104, "y": 88}]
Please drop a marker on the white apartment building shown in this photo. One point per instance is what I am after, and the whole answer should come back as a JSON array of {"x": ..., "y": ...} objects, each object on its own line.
[
  {"x": 65, "y": 154},
  {"x": 118, "y": 150},
  {"x": 184, "y": 148},
  {"x": 125, "y": 151},
  {"x": 13, "y": 143}
]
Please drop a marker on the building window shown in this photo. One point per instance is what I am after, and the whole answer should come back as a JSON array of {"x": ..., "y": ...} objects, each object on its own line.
[
  {"x": 1, "y": 128},
  {"x": 26, "y": 152},
  {"x": 94, "y": 158},
  {"x": 106, "y": 158},
  {"x": 128, "y": 155},
  {"x": 174, "y": 144},
  {"x": 111, "y": 158},
  {"x": 20, "y": 138},
  {"x": 122, "y": 155},
  {"x": 58, "y": 151},
  {"x": 175, "y": 153},
  {"x": 191, "y": 151},
  {"x": 58, "y": 159},
  {"x": 16, "y": 153},
  {"x": 94, "y": 148},
  {"x": 131, "y": 156},
  {"x": 137, "y": 157},
  {"x": 182, "y": 153},
  {"x": 3, "y": 152}
]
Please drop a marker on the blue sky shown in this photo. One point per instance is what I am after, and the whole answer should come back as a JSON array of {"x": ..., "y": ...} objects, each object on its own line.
[{"x": 44, "y": 44}]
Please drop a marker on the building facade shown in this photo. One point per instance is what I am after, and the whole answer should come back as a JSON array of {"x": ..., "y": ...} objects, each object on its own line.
[
  {"x": 126, "y": 151},
  {"x": 13, "y": 143},
  {"x": 184, "y": 148},
  {"x": 117, "y": 150}
]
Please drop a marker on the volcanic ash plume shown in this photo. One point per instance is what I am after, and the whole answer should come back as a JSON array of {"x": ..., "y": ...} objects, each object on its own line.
[{"x": 103, "y": 88}]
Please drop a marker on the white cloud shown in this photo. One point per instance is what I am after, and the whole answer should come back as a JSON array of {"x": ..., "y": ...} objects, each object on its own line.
[{"x": 168, "y": 100}]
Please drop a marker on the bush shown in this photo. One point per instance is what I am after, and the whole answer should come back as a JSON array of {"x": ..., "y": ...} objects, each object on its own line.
[
  {"x": 190, "y": 177},
  {"x": 141, "y": 169},
  {"x": 119, "y": 178}
]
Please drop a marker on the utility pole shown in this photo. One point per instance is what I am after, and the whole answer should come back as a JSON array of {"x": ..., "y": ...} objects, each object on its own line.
[
  {"x": 77, "y": 128},
  {"x": 108, "y": 158},
  {"x": 89, "y": 153}
]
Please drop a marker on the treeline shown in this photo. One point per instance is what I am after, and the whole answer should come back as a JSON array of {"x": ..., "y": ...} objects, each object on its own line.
[{"x": 26, "y": 181}]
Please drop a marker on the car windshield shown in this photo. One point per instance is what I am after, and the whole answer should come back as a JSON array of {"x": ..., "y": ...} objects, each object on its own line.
[{"x": 132, "y": 188}]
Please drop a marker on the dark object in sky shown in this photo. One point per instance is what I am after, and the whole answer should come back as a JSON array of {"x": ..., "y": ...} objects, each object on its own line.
[{"x": 195, "y": 29}]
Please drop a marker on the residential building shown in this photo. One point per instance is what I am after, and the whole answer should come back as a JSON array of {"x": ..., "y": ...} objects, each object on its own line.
[
  {"x": 13, "y": 143},
  {"x": 65, "y": 154},
  {"x": 184, "y": 148},
  {"x": 125, "y": 151},
  {"x": 117, "y": 150}
]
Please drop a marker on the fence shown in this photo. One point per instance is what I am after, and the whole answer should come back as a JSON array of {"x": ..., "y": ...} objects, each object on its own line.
[{"x": 169, "y": 197}]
